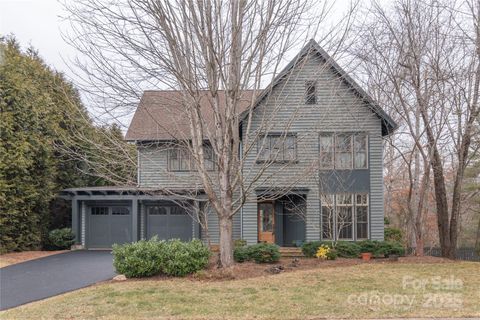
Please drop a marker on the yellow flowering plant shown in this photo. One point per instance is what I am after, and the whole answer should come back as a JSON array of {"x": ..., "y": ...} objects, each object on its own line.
[{"x": 323, "y": 252}]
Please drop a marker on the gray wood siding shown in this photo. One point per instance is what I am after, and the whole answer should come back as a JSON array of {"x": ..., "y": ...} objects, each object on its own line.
[{"x": 337, "y": 109}]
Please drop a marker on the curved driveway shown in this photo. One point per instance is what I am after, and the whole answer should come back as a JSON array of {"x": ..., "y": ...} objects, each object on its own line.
[{"x": 45, "y": 277}]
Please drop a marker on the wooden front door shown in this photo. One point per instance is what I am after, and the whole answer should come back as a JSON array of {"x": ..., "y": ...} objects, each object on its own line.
[{"x": 266, "y": 222}]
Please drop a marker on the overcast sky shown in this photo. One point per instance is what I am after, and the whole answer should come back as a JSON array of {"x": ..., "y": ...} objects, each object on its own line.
[{"x": 37, "y": 23}]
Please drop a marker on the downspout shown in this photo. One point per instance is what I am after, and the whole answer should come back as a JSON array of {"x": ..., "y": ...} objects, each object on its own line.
[
  {"x": 138, "y": 164},
  {"x": 241, "y": 194}
]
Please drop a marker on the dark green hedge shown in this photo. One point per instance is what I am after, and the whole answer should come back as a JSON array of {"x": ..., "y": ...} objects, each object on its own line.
[
  {"x": 260, "y": 253},
  {"x": 147, "y": 258}
]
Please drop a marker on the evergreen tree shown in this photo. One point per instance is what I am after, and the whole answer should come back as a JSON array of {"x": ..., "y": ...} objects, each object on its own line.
[{"x": 42, "y": 120}]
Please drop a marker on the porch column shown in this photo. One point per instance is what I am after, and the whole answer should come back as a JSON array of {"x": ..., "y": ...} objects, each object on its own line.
[
  {"x": 135, "y": 219},
  {"x": 75, "y": 223}
]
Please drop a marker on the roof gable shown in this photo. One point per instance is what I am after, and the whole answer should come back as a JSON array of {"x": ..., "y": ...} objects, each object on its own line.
[{"x": 388, "y": 124}]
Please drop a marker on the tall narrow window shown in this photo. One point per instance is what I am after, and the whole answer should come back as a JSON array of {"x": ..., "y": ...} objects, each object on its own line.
[
  {"x": 326, "y": 151},
  {"x": 360, "y": 150},
  {"x": 184, "y": 160},
  {"x": 343, "y": 151},
  {"x": 361, "y": 207},
  {"x": 208, "y": 155},
  {"x": 328, "y": 217},
  {"x": 310, "y": 92},
  {"x": 290, "y": 152},
  {"x": 173, "y": 159},
  {"x": 344, "y": 206}
]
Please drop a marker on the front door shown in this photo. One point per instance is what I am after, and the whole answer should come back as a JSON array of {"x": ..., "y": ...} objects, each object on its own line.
[{"x": 266, "y": 222}]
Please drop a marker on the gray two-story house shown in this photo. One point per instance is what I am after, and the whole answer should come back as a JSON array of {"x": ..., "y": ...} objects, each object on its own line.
[{"x": 325, "y": 180}]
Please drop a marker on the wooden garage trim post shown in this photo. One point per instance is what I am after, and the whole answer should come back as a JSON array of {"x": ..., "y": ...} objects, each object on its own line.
[
  {"x": 134, "y": 220},
  {"x": 75, "y": 228},
  {"x": 83, "y": 210}
]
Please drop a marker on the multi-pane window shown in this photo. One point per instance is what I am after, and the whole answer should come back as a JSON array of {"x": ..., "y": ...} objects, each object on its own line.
[
  {"x": 328, "y": 216},
  {"x": 360, "y": 150},
  {"x": 120, "y": 211},
  {"x": 180, "y": 159},
  {"x": 99, "y": 211},
  {"x": 310, "y": 92},
  {"x": 326, "y": 151},
  {"x": 344, "y": 216},
  {"x": 343, "y": 151},
  {"x": 361, "y": 214},
  {"x": 277, "y": 148}
]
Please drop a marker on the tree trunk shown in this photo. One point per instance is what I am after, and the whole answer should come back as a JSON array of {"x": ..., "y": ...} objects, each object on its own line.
[
  {"x": 226, "y": 241},
  {"x": 477, "y": 242}
]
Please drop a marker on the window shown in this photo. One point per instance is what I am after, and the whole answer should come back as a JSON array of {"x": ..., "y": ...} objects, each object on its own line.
[
  {"x": 99, "y": 211},
  {"x": 361, "y": 207},
  {"x": 326, "y": 151},
  {"x": 208, "y": 155},
  {"x": 360, "y": 150},
  {"x": 180, "y": 159},
  {"x": 344, "y": 206},
  {"x": 310, "y": 92},
  {"x": 177, "y": 211},
  {"x": 277, "y": 147},
  {"x": 157, "y": 210},
  {"x": 344, "y": 216},
  {"x": 328, "y": 214},
  {"x": 120, "y": 211},
  {"x": 343, "y": 151}
]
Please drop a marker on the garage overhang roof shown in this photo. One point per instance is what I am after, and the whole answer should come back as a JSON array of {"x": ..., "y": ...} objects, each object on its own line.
[{"x": 127, "y": 192}]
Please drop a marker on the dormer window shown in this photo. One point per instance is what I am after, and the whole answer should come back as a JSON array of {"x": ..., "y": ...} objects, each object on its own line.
[{"x": 310, "y": 92}]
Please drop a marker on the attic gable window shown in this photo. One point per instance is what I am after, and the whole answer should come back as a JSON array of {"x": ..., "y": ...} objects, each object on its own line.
[{"x": 310, "y": 92}]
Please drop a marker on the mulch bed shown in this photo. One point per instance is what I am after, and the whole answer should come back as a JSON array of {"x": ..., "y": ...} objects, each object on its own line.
[{"x": 251, "y": 269}]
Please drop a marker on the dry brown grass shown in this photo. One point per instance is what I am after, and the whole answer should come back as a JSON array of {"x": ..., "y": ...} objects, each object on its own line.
[
  {"x": 17, "y": 257},
  {"x": 322, "y": 292}
]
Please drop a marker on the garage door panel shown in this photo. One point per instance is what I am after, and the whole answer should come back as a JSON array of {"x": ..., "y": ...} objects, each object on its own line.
[
  {"x": 181, "y": 227},
  {"x": 109, "y": 225},
  {"x": 168, "y": 222}
]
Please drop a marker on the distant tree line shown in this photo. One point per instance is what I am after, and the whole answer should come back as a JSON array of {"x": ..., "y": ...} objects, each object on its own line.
[{"x": 42, "y": 117}]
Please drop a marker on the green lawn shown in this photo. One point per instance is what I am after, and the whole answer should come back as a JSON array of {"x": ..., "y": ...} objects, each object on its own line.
[{"x": 366, "y": 290}]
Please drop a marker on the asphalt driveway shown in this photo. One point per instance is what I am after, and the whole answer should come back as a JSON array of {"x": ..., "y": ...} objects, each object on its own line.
[{"x": 45, "y": 277}]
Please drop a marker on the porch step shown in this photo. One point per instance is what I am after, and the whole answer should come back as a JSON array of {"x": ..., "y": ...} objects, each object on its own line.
[{"x": 286, "y": 252}]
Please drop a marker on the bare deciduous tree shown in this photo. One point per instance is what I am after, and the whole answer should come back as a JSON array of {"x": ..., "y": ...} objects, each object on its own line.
[
  {"x": 423, "y": 60},
  {"x": 212, "y": 52}
]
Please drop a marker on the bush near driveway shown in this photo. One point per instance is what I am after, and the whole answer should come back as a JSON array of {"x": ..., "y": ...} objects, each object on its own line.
[
  {"x": 260, "y": 253},
  {"x": 148, "y": 258},
  {"x": 60, "y": 239}
]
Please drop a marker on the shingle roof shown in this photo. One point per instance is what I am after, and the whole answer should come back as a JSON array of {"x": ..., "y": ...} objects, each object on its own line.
[{"x": 160, "y": 115}]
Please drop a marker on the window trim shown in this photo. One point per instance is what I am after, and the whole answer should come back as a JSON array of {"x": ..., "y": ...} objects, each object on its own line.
[{"x": 283, "y": 135}]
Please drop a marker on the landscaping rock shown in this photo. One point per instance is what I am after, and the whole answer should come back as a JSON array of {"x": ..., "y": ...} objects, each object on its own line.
[
  {"x": 120, "y": 277},
  {"x": 295, "y": 263},
  {"x": 275, "y": 269}
]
